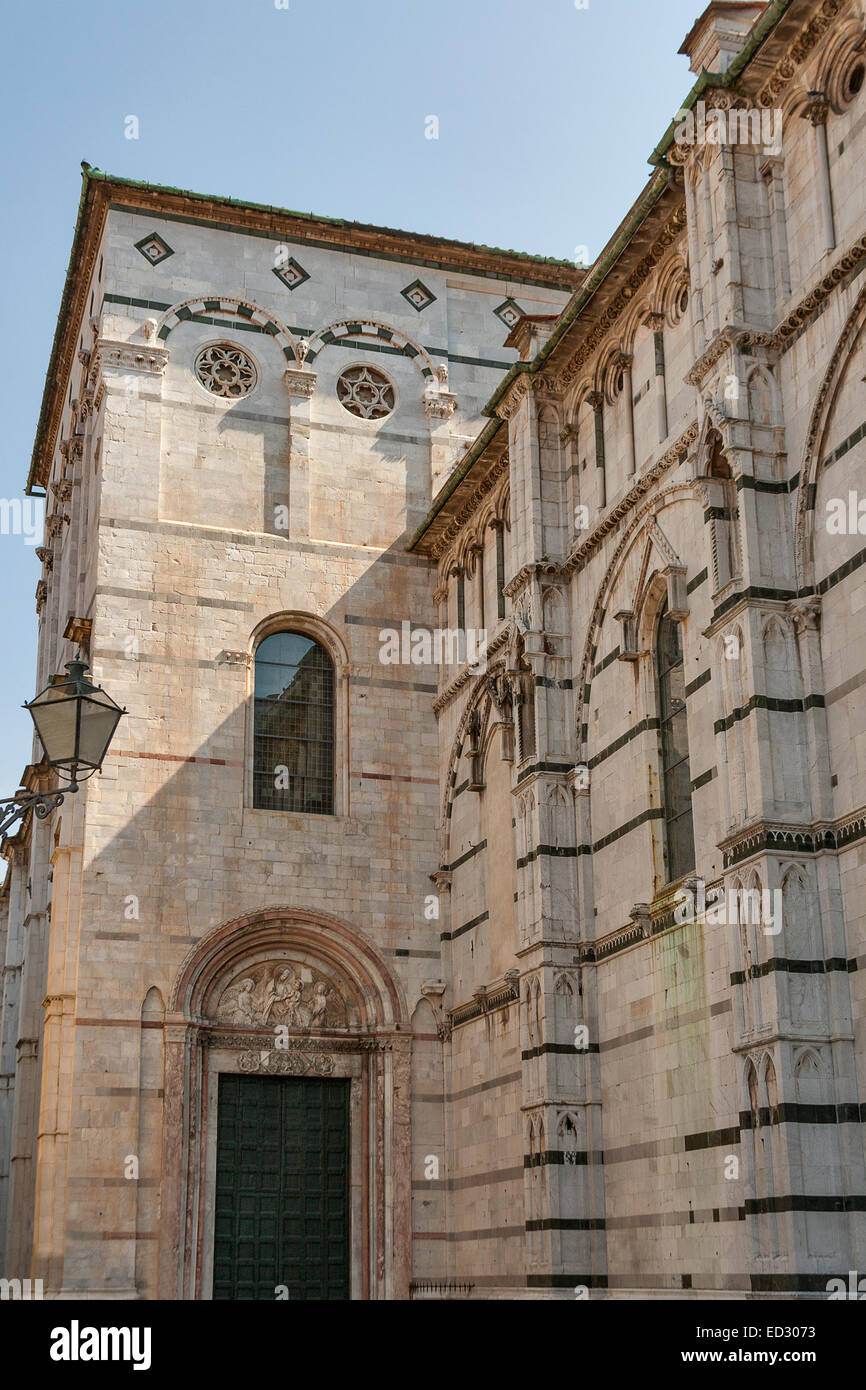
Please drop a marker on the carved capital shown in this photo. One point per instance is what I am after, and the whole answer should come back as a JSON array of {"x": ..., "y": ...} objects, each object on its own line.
[
  {"x": 817, "y": 109},
  {"x": 640, "y": 915},
  {"x": 439, "y": 405},
  {"x": 806, "y": 614},
  {"x": 300, "y": 382},
  {"x": 110, "y": 355}
]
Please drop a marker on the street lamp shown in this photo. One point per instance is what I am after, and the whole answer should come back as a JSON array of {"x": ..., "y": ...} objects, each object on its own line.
[{"x": 75, "y": 721}]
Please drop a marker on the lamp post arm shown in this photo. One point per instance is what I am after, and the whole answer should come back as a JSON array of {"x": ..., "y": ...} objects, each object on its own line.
[{"x": 13, "y": 808}]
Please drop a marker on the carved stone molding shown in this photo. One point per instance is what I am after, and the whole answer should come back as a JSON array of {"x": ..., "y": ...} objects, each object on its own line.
[
  {"x": 290, "y": 1061},
  {"x": 487, "y": 999},
  {"x": 722, "y": 343},
  {"x": 264, "y": 1042},
  {"x": 671, "y": 232},
  {"x": 798, "y": 52},
  {"x": 226, "y": 658},
  {"x": 439, "y": 405},
  {"x": 125, "y": 357},
  {"x": 520, "y": 389},
  {"x": 282, "y": 992},
  {"x": 300, "y": 382},
  {"x": 434, "y": 992},
  {"x": 41, "y": 595},
  {"x": 587, "y": 547},
  {"x": 805, "y": 614},
  {"x": 467, "y": 511}
]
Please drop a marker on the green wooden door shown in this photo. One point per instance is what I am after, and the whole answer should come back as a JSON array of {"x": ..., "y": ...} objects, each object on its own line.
[{"x": 282, "y": 1188}]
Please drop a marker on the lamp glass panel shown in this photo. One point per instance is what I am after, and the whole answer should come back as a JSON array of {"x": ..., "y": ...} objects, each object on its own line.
[
  {"x": 99, "y": 716},
  {"x": 54, "y": 717}
]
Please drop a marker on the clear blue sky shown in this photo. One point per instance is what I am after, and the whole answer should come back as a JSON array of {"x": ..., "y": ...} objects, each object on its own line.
[{"x": 547, "y": 114}]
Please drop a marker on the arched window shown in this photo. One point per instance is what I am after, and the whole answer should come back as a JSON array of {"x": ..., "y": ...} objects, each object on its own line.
[
  {"x": 293, "y": 743},
  {"x": 674, "y": 741}
]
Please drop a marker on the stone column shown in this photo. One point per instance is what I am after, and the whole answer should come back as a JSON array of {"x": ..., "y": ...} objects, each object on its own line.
[
  {"x": 596, "y": 400},
  {"x": 300, "y": 384},
  {"x": 623, "y": 361},
  {"x": 772, "y": 171},
  {"x": 439, "y": 406},
  {"x": 816, "y": 112},
  {"x": 657, "y": 322}
]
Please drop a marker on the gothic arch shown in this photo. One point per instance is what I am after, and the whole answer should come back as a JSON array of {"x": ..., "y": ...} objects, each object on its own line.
[
  {"x": 822, "y": 411},
  {"x": 477, "y": 694},
  {"x": 766, "y": 403},
  {"x": 633, "y": 534}
]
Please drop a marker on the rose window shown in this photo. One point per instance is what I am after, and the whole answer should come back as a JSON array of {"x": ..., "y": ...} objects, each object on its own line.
[
  {"x": 366, "y": 392},
  {"x": 226, "y": 371}
]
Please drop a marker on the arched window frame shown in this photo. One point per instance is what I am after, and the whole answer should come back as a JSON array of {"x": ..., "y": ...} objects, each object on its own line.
[{"x": 328, "y": 637}]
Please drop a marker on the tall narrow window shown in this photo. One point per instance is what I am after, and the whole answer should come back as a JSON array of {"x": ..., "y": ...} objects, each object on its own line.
[
  {"x": 293, "y": 753},
  {"x": 461, "y": 602},
  {"x": 500, "y": 570},
  {"x": 525, "y": 706},
  {"x": 674, "y": 740}
]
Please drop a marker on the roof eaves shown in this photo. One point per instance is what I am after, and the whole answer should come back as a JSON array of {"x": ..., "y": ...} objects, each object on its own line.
[
  {"x": 473, "y": 453},
  {"x": 68, "y": 286},
  {"x": 313, "y": 217},
  {"x": 659, "y": 181}
]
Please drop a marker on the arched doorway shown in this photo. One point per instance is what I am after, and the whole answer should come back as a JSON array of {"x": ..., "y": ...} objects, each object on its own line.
[{"x": 286, "y": 1154}]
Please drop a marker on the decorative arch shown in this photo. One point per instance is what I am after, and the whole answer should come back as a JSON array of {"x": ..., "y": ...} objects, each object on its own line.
[
  {"x": 762, "y": 393},
  {"x": 653, "y": 506},
  {"x": 365, "y": 1043},
  {"x": 815, "y": 435},
  {"x": 206, "y": 305},
  {"x": 352, "y": 329},
  {"x": 375, "y": 997},
  {"x": 672, "y": 278},
  {"x": 846, "y": 50}
]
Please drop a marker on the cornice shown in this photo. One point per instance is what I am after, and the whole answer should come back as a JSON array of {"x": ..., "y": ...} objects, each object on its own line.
[
  {"x": 458, "y": 519},
  {"x": 674, "y": 227},
  {"x": 797, "y": 52}
]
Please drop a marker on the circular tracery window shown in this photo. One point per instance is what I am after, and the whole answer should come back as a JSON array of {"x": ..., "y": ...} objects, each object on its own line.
[
  {"x": 365, "y": 392},
  {"x": 226, "y": 371}
]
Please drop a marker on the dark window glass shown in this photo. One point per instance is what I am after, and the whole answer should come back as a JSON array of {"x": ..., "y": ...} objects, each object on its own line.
[
  {"x": 674, "y": 740},
  {"x": 293, "y": 753},
  {"x": 500, "y": 572}
]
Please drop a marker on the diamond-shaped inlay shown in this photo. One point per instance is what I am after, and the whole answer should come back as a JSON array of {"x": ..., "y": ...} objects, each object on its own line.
[
  {"x": 154, "y": 248},
  {"x": 290, "y": 273},
  {"x": 509, "y": 312},
  {"x": 418, "y": 295}
]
